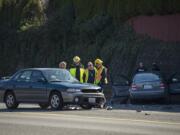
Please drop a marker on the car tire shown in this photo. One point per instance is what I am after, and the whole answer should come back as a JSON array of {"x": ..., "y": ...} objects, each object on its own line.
[
  {"x": 43, "y": 105},
  {"x": 56, "y": 101},
  {"x": 86, "y": 107},
  {"x": 10, "y": 101}
]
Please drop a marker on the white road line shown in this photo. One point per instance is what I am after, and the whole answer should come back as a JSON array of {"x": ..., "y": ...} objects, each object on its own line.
[{"x": 101, "y": 118}]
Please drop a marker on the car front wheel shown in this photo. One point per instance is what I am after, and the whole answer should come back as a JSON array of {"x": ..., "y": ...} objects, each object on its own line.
[
  {"x": 10, "y": 101},
  {"x": 56, "y": 101}
]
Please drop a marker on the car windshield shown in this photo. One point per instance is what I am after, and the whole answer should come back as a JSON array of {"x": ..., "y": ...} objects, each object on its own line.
[
  {"x": 59, "y": 75},
  {"x": 146, "y": 77}
]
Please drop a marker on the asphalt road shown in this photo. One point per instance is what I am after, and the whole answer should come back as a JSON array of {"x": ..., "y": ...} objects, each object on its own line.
[{"x": 30, "y": 120}]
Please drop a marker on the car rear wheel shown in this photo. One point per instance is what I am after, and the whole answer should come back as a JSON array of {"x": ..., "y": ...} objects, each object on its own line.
[
  {"x": 43, "y": 105},
  {"x": 87, "y": 107},
  {"x": 10, "y": 101},
  {"x": 56, "y": 101}
]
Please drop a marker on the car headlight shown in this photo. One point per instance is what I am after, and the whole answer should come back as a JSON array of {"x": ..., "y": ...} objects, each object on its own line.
[{"x": 73, "y": 90}]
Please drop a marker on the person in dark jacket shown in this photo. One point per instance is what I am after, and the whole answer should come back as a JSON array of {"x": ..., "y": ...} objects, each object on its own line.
[
  {"x": 141, "y": 68},
  {"x": 155, "y": 67},
  {"x": 90, "y": 73}
]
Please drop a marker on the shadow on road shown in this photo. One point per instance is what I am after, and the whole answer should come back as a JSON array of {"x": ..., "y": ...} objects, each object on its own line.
[
  {"x": 37, "y": 109},
  {"x": 123, "y": 103},
  {"x": 138, "y": 107},
  {"x": 148, "y": 106}
]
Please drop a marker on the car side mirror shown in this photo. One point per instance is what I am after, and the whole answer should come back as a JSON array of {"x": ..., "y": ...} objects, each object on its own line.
[{"x": 42, "y": 80}]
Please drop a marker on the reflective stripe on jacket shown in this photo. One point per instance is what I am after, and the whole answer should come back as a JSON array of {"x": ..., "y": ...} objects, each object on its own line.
[
  {"x": 73, "y": 73},
  {"x": 99, "y": 76}
]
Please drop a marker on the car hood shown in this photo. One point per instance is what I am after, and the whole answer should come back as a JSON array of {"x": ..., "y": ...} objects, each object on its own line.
[
  {"x": 76, "y": 85},
  {"x": 3, "y": 81}
]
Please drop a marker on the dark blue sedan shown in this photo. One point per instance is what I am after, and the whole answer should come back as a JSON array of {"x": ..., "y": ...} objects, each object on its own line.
[{"x": 49, "y": 87}]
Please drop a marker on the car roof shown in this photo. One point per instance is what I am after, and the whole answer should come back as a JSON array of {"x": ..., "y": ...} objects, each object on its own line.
[
  {"x": 148, "y": 73},
  {"x": 36, "y": 69},
  {"x": 155, "y": 73},
  {"x": 42, "y": 69}
]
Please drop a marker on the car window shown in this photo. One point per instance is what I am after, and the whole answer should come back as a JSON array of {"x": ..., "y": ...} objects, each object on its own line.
[
  {"x": 36, "y": 75},
  {"x": 120, "y": 81},
  {"x": 59, "y": 75},
  {"x": 17, "y": 76},
  {"x": 25, "y": 76},
  {"x": 145, "y": 77}
]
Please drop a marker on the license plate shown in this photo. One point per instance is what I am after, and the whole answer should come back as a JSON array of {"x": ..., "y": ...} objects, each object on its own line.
[
  {"x": 147, "y": 86},
  {"x": 92, "y": 100}
]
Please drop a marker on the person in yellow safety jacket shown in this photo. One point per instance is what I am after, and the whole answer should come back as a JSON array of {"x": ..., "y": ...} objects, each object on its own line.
[
  {"x": 77, "y": 70},
  {"x": 101, "y": 76},
  {"x": 90, "y": 73}
]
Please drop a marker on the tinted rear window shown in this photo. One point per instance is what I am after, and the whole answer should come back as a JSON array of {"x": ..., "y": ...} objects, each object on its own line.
[{"x": 146, "y": 77}]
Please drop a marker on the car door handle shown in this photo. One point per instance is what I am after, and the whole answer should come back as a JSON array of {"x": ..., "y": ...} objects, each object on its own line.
[{"x": 30, "y": 86}]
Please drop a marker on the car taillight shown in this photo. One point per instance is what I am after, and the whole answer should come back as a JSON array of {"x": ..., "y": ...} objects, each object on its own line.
[
  {"x": 134, "y": 87},
  {"x": 162, "y": 85}
]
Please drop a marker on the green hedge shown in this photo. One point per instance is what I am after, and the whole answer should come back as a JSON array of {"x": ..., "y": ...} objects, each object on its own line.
[
  {"x": 81, "y": 27},
  {"x": 19, "y": 14},
  {"x": 120, "y": 9},
  {"x": 23, "y": 14}
]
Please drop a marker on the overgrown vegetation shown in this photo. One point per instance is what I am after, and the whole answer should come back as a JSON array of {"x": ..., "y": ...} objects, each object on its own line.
[
  {"x": 119, "y": 9},
  {"x": 32, "y": 35}
]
